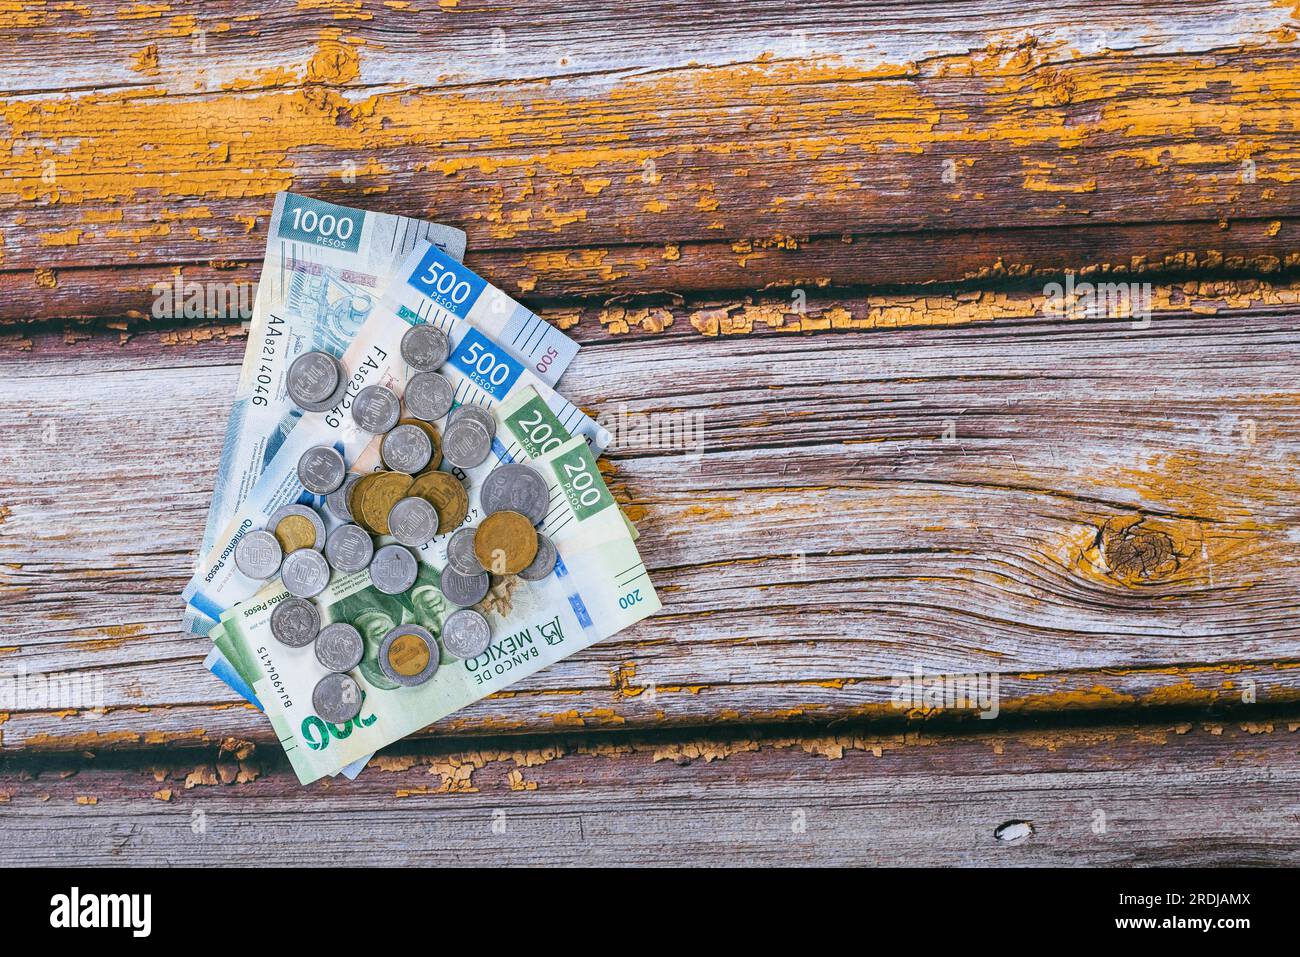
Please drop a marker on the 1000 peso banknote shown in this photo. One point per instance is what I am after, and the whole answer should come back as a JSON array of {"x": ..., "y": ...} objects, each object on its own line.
[
  {"x": 600, "y": 586},
  {"x": 481, "y": 371}
]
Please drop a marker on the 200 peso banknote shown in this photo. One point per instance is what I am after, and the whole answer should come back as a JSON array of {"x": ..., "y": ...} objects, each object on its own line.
[
  {"x": 481, "y": 371},
  {"x": 600, "y": 586}
]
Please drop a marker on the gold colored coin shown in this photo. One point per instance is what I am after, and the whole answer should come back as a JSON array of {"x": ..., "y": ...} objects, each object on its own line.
[
  {"x": 505, "y": 543},
  {"x": 408, "y": 655},
  {"x": 387, "y": 490},
  {"x": 295, "y": 532},
  {"x": 357, "y": 498},
  {"x": 445, "y": 493},
  {"x": 435, "y": 440}
]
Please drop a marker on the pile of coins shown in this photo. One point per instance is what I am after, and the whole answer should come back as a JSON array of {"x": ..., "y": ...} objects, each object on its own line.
[{"x": 410, "y": 500}]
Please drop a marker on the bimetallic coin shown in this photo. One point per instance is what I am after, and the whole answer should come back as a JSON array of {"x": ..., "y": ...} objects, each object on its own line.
[
  {"x": 505, "y": 543},
  {"x": 406, "y": 449},
  {"x": 429, "y": 396},
  {"x": 516, "y": 487},
  {"x": 464, "y": 590},
  {"x": 445, "y": 493},
  {"x": 466, "y": 633},
  {"x": 297, "y": 526},
  {"x": 313, "y": 377},
  {"x": 413, "y": 521},
  {"x": 393, "y": 569},
  {"x": 349, "y": 548},
  {"x": 295, "y": 622},
  {"x": 305, "y": 573},
  {"x": 339, "y": 647},
  {"x": 408, "y": 655},
  {"x": 425, "y": 347},
  {"x": 465, "y": 443},
  {"x": 321, "y": 469},
  {"x": 376, "y": 409},
  {"x": 544, "y": 563},
  {"x": 336, "y": 502},
  {"x": 460, "y": 552},
  {"x": 258, "y": 555},
  {"x": 336, "y": 698}
]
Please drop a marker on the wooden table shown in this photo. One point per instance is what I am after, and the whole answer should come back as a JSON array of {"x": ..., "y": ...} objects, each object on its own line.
[{"x": 830, "y": 230}]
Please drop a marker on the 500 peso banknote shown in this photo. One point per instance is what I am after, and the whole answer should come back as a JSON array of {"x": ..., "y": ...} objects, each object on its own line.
[{"x": 600, "y": 586}]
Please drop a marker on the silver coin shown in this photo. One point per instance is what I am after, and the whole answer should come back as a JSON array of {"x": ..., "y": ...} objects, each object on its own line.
[
  {"x": 336, "y": 698},
  {"x": 317, "y": 523},
  {"x": 413, "y": 521},
  {"x": 477, "y": 414},
  {"x": 313, "y": 377},
  {"x": 425, "y": 347},
  {"x": 339, "y": 647},
  {"x": 321, "y": 469},
  {"x": 305, "y": 573},
  {"x": 333, "y": 400},
  {"x": 466, "y": 633},
  {"x": 461, "y": 556},
  {"x": 393, "y": 569},
  {"x": 541, "y": 566},
  {"x": 349, "y": 548},
  {"x": 376, "y": 409},
  {"x": 295, "y": 622},
  {"x": 406, "y": 448},
  {"x": 464, "y": 590},
  {"x": 258, "y": 555},
  {"x": 429, "y": 396},
  {"x": 431, "y": 648},
  {"x": 516, "y": 487},
  {"x": 336, "y": 502},
  {"x": 465, "y": 443}
]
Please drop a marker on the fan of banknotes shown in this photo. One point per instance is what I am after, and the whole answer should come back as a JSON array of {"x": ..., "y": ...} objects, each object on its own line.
[{"x": 407, "y": 516}]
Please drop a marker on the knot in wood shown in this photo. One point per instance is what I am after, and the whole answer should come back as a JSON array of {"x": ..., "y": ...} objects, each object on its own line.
[{"x": 1139, "y": 554}]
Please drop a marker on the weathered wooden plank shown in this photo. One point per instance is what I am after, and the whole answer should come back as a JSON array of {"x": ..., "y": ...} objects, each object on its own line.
[
  {"x": 697, "y": 165},
  {"x": 1184, "y": 793},
  {"x": 1100, "y": 538}
]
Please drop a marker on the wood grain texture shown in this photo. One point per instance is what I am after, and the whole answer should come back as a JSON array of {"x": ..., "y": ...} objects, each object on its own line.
[
  {"x": 981, "y": 139},
  {"x": 1174, "y": 793}
]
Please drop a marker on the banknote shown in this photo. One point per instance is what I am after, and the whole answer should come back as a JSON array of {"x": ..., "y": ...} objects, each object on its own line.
[
  {"x": 480, "y": 370},
  {"x": 599, "y": 587}
]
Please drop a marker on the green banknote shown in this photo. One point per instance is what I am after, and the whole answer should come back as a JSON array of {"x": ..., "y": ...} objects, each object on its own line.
[{"x": 599, "y": 587}]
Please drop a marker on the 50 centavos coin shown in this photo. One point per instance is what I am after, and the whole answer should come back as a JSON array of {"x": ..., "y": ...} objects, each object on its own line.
[
  {"x": 406, "y": 449},
  {"x": 376, "y": 409},
  {"x": 516, "y": 487},
  {"x": 476, "y": 414},
  {"x": 336, "y": 698},
  {"x": 464, "y": 590},
  {"x": 393, "y": 569},
  {"x": 258, "y": 555},
  {"x": 305, "y": 573},
  {"x": 505, "y": 543},
  {"x": 336, "y": 502},
  {"x": 297, "y": 526},
  {"x": 413, "y": 521},
  {"x": 425, "y": 347},
  {"x": 466, "y": 633},
  {"x": 408, "y": 655},
  {"x": 313, "y": 377},
  {"x": 295, "y": 622},
  {"x": 349, "y": 548},
  {"x": 429, "y": 396},
  {"x": 541, "y": 566},
  {"x": 339, "y": 647},
  {"x": 460, "y": 552},
  {"x": 321, "y": 469}
]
